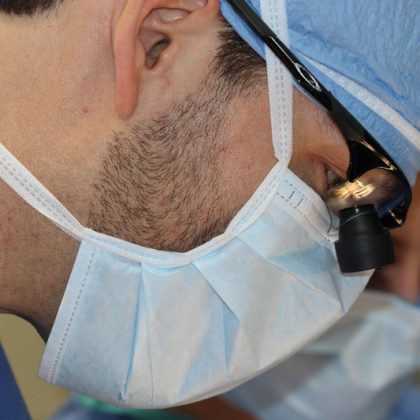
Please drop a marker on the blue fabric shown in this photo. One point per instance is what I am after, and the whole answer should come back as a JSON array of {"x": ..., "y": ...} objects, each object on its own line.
[
  {"x": 408, "y": 408},
  {"x": 373, "y": 43},
  {"x": 12, "y": 406}
]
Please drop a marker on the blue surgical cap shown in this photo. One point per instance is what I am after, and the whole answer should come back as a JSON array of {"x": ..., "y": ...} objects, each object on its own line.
[{"x": 367, "y": 54}]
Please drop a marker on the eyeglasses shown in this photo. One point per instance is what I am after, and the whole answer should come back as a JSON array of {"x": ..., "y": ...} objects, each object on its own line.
[{"x": 372, "y": 176}]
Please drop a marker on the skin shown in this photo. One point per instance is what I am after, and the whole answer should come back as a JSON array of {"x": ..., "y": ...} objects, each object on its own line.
[
  {"x": 83, "y": 88},
  {"x": 71, "y": 79},
  {"x": 61, "y": 132}
]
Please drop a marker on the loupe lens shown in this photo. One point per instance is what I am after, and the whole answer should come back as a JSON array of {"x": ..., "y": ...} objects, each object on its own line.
[{"x": 379, "y": 187}]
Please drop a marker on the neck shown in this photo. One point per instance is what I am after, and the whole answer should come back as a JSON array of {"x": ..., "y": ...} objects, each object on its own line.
[{"x": 35, "y": 262}]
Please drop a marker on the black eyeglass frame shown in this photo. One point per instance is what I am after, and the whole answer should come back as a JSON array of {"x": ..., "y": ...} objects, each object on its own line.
[{"x": 365, "y": 152}]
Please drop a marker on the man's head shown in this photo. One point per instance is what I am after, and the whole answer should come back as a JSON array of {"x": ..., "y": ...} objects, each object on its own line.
[
  {"x": 149, "y": 120},
  {"x": 164, "y": 84}
]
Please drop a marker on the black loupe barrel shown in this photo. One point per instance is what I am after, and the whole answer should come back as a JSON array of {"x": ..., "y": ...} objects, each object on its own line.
[{"x": 363, "y": 243}]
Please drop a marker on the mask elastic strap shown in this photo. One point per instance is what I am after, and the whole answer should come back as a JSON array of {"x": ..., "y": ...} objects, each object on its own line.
[
  {"x": 36, "y": 195},
  {"x": 280, "y": 85}
]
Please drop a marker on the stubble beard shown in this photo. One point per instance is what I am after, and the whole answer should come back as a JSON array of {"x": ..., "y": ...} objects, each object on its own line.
[
  {"x": 160, "y": 184},
  {"x": 162, "y": 181}
]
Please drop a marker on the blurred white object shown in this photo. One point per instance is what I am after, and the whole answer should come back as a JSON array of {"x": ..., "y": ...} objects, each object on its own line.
[{"x": 357, "y": 370}]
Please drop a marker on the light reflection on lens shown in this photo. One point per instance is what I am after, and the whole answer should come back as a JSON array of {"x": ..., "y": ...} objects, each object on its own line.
[{"x": 378, "y": 187}]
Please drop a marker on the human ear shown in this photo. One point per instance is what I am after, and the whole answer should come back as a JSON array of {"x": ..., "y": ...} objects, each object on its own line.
[{"x": 146, "y": 41}]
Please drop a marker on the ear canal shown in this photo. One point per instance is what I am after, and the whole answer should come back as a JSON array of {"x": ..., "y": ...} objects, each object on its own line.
[{"x": 154, "y": 33}]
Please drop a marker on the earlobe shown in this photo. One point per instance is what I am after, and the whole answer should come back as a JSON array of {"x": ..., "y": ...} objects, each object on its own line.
[{"x": 144, "y": 29}]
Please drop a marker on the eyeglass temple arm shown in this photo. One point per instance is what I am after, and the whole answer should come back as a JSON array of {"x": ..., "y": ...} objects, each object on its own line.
[
  {"x": 350, "y": 127},
  {"x": 300, "y": 73}
]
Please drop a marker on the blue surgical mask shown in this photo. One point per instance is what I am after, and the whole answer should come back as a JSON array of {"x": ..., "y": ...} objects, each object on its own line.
[
  {"x": 146, "y": 328},
  {"x": 139, "y": 327}
]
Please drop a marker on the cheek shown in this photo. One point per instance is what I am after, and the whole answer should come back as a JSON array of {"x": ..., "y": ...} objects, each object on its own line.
[
  {"x": 7, "y": 241},
  {"x": 317, "y": 142},
  {"x": 334, "y": 152}
]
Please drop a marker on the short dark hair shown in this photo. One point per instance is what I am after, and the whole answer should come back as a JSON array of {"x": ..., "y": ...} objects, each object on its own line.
[
  {"x": 237, "y": 63},
  {"x": 27, "y": 7}
]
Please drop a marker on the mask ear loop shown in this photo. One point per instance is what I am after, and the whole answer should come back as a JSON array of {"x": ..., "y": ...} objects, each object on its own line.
[{"x": 19, "y": 179}]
